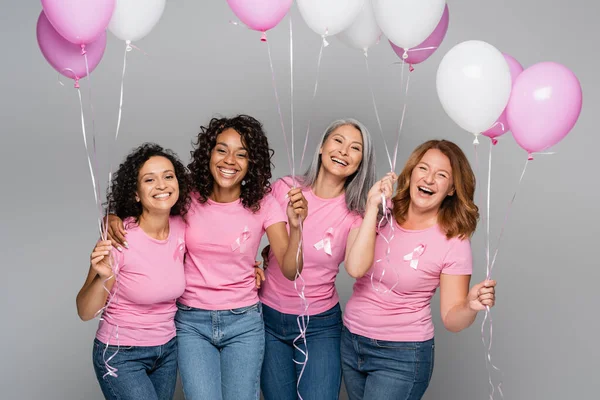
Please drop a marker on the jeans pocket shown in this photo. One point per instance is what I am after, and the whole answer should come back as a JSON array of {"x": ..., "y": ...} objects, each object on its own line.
[
  {"x": 245, "y": 310},
  {"x": 402, "y": 346}
]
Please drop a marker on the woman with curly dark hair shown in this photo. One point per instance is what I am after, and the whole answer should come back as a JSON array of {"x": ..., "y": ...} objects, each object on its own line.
[
  {"x": 388, "y": 327},
  {"x": 135, "y": 350},
  {"x": 220, "y": 328}
]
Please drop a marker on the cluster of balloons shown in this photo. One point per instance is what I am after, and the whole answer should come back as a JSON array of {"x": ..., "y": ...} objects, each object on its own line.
[
  {"x": 482, "y": 90},
  {"x": 415, "y": 29},
  {"x": 490, "y": 93},
  {"x": 67, "y": 30}
]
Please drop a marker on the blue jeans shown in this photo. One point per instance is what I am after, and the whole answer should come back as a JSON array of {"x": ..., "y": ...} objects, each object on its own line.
[
  {"x": 144, "y": 372},
  {"x": 220, "y": 352},
  {"x": 377, "y": 369},
  {"x": 322, "y": 376}
]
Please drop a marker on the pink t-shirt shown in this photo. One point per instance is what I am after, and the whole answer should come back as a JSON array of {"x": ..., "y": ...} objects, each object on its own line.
[
  {"x": 417, "y": 259},
  {"x": 325, "y": 233},
  {"x": 150, "y": 278},
  {"x": 222, "y": 240}
]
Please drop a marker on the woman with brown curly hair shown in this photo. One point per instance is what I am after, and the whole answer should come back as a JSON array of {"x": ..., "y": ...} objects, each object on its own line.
[
  {"x": 135, "y": 350},
  {"x": 220, "y": 327},
  {"x": 387, "y": 342}
]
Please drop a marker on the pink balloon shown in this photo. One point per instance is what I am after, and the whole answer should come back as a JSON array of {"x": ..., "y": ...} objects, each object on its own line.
[
  {"x": 415, "y": 55},
  {"x": 501, "y": 126},
  {"x": 79, "y": 21},
  {"x": 544, "y": 105},
  {"x": 260, "y": 15},
  {"x": 64, "y": 56}
]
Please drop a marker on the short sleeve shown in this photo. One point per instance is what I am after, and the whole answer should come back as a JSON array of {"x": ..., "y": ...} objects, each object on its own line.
[
  {"x": 279, "y": 189},
  {"x": 272, "y": 211},
  {"x": 458, "y": 260}
]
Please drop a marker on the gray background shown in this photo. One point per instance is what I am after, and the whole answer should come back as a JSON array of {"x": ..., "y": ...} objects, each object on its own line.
[{"x": 545, "y": 328}]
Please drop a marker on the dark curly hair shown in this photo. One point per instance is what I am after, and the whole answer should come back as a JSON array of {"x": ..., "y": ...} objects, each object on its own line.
[
  {"x": 121, "y": 194},
  {"x": 254, "y": 139}
]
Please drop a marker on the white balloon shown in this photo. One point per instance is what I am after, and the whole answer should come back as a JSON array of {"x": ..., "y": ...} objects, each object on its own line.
[
  {"x": 329, "y": 17},
  {"x": 134, "y": 19},
  {"x": 364, "y": 31},
  {"x": 474, "y": 84},
  {"x": 408, "y": 23}
]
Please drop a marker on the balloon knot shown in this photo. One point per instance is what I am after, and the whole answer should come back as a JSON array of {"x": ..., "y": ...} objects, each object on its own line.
[
  {"x": 263, "y": 37},
  {"x": 494, "y": 141},
  {"x": 83, "y": 52}
]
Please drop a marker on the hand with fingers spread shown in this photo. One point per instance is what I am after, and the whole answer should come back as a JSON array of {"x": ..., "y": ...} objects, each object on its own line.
[
  {"x": 116, "y": 232},
  {"x": 101, "y": 259},
  {"x": 386, "y": 186},
  {"x": 297, "y": 207},
  {"x": 482, "y": 295},
  {"x": 259, "y": 274}
]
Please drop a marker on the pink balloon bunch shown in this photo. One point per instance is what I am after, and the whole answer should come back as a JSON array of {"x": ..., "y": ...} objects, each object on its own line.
[
  {"x": 70, "y": 29},
  {"x": 64, "y": 56}
]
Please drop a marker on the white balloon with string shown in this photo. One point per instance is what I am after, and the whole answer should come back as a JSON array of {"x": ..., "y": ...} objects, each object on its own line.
[
  {"x": 364, "y": 31},
  {"x": 329, "y": 17},
  {"x": 474, "y": 85},
  {"x": 407, "y": 23}
]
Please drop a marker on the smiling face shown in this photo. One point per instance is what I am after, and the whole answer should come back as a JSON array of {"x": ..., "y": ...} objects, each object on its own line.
[
  {"x": 229, "y": 160},
  {"x": 431, "y": 181},
  {"x": 157, "y": 186},
  {"x": 342, "y": 151}
]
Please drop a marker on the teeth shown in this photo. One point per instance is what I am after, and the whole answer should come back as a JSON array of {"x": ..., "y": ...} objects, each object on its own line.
[
  {"x": 337, "y": 160},
  {"x": 228, "y": 171},
  {"x": 427, "y": 190},
  {"x": 162, "y": 196}
]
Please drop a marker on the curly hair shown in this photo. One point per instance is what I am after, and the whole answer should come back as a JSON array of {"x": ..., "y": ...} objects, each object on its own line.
[
  {"x": 124, "y": 184},
  {"x": 256, "y": 182},
  {"x": 458, "y": 214}
]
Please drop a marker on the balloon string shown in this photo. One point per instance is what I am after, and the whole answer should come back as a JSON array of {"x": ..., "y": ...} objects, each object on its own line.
[
  {"x": 87, "y": 152},
  {"x": 388, "y": 218},
  {"x": 387, "y": 151},
  {"x": 487, "y": 231},
  {"x": 105, "y": 316},
  {"x": 510, "y": 204},
  {"x": 488, "y": 313},
  {"x": 128, "y": 48},
  {"x": 312, "y": 104},
  {"x": 402, "y": 118},
  {"x": 274, "y": 83},
  {"x": 292, "y": 103},
  {"x": 303, "y": 318},
  {"x": 94, "y": 158}
]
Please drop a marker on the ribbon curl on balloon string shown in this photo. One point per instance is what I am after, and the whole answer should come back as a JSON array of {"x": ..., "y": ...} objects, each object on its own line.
[
  {"x": 387, "y": 218},
  {"x": 299, "y": 282},
  {"x": 105, "y": 316},
  {"x": 490, "y": 267}
]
